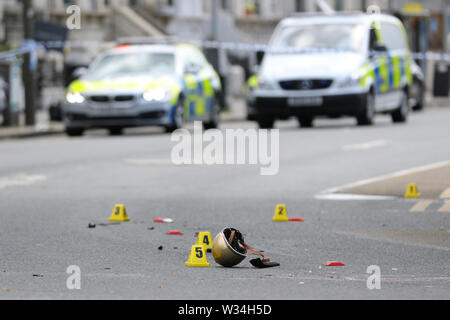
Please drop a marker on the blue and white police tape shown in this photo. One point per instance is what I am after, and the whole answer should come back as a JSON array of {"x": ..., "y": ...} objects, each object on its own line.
[
  {"x": 13, "y": 54},
  {"x": 227, "y": 46}
]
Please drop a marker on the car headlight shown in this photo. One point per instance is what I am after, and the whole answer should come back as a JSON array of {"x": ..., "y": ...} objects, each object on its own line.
[
  {"x": 265, "y": 84},
  {"x": 74, "y": 97},
  {"x": 157, "y": 94},
  {"x": 350, "y": 81}
]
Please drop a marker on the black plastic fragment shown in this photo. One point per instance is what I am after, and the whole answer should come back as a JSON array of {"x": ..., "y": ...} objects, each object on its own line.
[{"x": 263, "y": 264}]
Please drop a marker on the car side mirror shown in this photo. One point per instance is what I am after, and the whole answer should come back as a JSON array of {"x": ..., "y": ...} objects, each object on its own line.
[
  {"x": 259, "y": 57},
  {"x": 378, "y": 48}
]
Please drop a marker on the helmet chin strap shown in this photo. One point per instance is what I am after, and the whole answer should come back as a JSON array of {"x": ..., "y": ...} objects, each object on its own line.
[{"x": 253, "y": 251}]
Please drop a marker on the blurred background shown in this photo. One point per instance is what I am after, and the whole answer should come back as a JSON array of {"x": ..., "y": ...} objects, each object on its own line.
[{"x": 31, "y": 93}]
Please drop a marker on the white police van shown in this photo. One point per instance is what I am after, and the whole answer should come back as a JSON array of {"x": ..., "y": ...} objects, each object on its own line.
[{"x": 333, "y": 65}]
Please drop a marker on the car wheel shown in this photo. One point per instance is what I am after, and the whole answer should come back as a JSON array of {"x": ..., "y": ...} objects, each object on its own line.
[
  {"x": 178, "y": 118},
  {"x": 419, "y": 95},
  {"x": 306, "y": 122},
  {"x": 400, "y": 115},
  {"x": 266, "y": 122},
  {"x": 214, "y": 116},
  {"x": 115, "y": 131},
  {"x": 367, "y": 114},
  {"x": 74, "y": 132}
]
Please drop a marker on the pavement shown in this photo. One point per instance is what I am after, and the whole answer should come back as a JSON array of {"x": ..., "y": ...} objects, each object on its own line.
[
  {"x": 53, "y": 187},
  {"x": 433, "y": 182}
]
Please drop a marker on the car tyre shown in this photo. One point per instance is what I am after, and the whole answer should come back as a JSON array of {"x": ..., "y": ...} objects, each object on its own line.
[
  {"x": 266, "y": 122},
  {"x": 306, "y": 122},
  {"x": 118, "y": 131},
  {"x": 367, "y": 114},
  {"x": 74, "y": 132},
  {"x": 420, "y": 102},
  {"x": 178, "y": 118},
  {"x": 214, "y": 117},
  {"x": 400, "y": 115}
]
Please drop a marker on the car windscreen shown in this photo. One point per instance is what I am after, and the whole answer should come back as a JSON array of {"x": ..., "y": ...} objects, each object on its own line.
[
  {"x": 126, "y": 64},
  {"x": 342, "y": 37}
]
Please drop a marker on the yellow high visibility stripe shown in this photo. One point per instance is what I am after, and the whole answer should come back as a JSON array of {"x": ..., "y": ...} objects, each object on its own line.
[
  {"x": 384, "y": 73},
  {"x": 397, "y": 69},
  {"x": 208, "y": 89}
]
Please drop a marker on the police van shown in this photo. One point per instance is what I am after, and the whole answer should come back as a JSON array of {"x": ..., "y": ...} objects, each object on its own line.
[
  {"x": 144, "y": 85},
  {"x": 348, "y": 64}
]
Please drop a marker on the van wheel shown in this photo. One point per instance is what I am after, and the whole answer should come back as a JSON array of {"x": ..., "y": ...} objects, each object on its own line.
[
  {"x": 74, "y": 132},
  {"x": 266, "y": 122},
  {"x": 419, "y": 95},
  {"x": 115, "y": 131},
  {"x": 367, "y": 113},
  {"x": 214, "y": 116},
  {"x": 306, "y": 122},
  {"x": 400, "y": 115}
]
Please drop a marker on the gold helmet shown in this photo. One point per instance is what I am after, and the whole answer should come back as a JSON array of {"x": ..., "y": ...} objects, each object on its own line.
[
  {"x": 229, "y": 249},
  {"x": 226, "y": 248}
]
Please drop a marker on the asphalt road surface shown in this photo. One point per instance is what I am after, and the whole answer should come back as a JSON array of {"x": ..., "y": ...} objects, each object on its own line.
[{"x": 51, "y": 189}]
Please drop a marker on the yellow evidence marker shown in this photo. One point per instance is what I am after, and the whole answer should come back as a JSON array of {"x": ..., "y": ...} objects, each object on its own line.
[
  {"x": 197, "y": 258},
  {"x": 412, "y": 192},
  {"x": 205, "y": 239},
  {"x": 119, "y": 214},
  {"x": 280, "y": 213}
]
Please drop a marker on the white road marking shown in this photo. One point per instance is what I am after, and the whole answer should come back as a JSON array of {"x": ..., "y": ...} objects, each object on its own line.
[
  {"x": 445, "y": 208},
  {"x": 148, "y": 161},
  {"x": 346, "y": 197},
  {"x": 388, "y": 176},
  {"x": 20, "y": 179},
  {"x": 365, "y": 146},
  {"x": 445, "y": 194},
  {"x": 421, "y": 206}
]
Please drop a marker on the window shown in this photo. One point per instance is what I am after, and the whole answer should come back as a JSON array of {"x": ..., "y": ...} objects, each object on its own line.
[
  {"x": 393, "y": 37},
  {"x": 372, "y": 39},
  {"x": 120, "y": 65},
  {"x": 348, "y": 37}
]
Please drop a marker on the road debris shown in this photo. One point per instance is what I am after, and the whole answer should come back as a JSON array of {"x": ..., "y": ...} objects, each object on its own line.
[
  {"x": 333, "y": 264},
  {"x": 174, "y": 232},
  {"x": 163, "y": 220},
  {"x": 263, "y": 263}
]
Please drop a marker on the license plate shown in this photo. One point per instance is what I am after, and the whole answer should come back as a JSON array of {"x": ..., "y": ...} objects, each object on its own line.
[
  {"x": 101, "y": 106},
  {"x": 305, "y": 102}
]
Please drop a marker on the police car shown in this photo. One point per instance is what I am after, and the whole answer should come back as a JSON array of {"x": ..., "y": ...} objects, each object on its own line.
[
  {"x": 142, "y": 85},
  {"x": 349, "y": 64}
]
